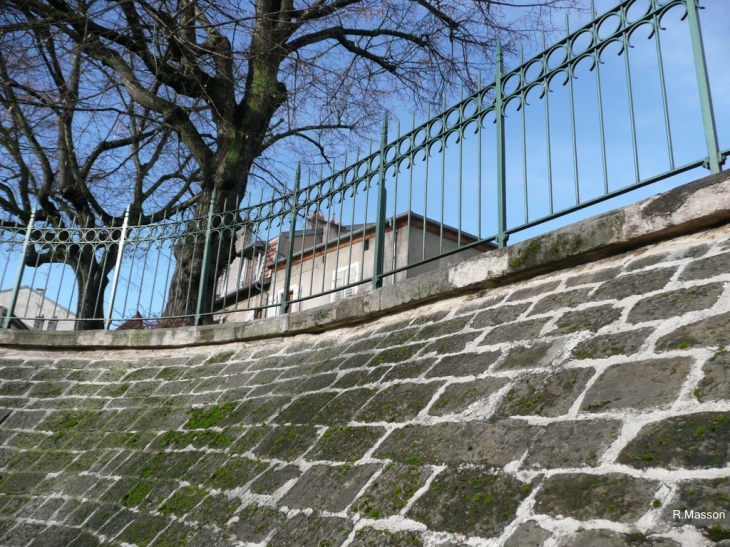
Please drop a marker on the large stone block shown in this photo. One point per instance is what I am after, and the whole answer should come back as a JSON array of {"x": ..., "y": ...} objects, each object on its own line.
[
  {"x": 392, "y": 490},
  {"x": 693, "y": 441},
  {"x": 544, "y": 393},
  {"x": 571, "y": 443},
  {"x": 456, "y": 398},
  {"x": 471, "y": 501},
  {"x": 674, "y": 303},
  {"x": 487, "y": 443},
  {"x": 606, "y": 345},
  {"x": 644, "y": 384},
  {"x": 313, "y": 530},
  {"x": 715, "y": 385},
  {"x": 329, "y": 488},
  {"x": 713, "y": 332},
  {"x": 622, "y": 286},
  {"x": 399, "y": 402},
  {"x": 616, "y": 497}
]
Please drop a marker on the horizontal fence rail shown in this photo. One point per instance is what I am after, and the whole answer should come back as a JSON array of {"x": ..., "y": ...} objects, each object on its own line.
[{"x": 563, "y": 131}]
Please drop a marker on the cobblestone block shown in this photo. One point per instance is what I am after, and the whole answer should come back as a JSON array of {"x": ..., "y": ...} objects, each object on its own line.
[
  {"x": 591, "y": 319},
  {"x": 409, "y": 370},
  {"x": 499, "y": 316},
  {"x": 443, "y": 328},
  {"x": 303, "y": 409},
  {"x": 396, "y": 355},
  {"x": 514, "y": 332},
  {"x": 364, "y": 377},
  {"x": 287, "y": 442},
  {"x": 529, "y": 534},
  {"x": 568, "y": 299},
  {"x": 345, "y": 443},
  {"x": 457, "y": 398},
  {"x": 715, "y": 385},
  {"x": 616, "y": 497},
  {"x": 606, "y": 345},
  {"x": 544, "y": 394},
  {"x": 342, "y": 409},
  {"x": 640, "y": 385},
  {"x": 312, "y": 530},
  {"x": 671, "y": 304},
  {"x": 599, "y": 276},
  {"x": 255, "y": 523},
  {"x": 274, "y": 478},
  {"x": 392, "y": 490},
  {"x": 471, "y": 501},
  {"x": 711, "y": 497},
  {"x": 329, "y": 488},
  {"x": 398, "y": 337},
  {"x": 371, "y": 537},
  {"x": 554, "y": 445},
  {"x": 399, "y": 402},
  {"x": 713, "y": 331},
  {"x": 620, "y": 287},
  {"x": 465, "y": 364},
  {"x": 488, "y": 443},
  {"x": 693, "y": 441},
  {"x": 451, "y": 344},
  {"x": 707, "y": 267},
  {"x": 607, "y": 538},
  {"x": 529, "y": 292},
  {"x": 535, "y": 355}
]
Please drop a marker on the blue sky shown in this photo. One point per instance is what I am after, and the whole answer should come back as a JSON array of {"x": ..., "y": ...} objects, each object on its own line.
[{"x": 462, "y": 191}]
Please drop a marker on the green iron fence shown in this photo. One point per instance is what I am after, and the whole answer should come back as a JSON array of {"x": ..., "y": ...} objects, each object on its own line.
[{"x": 447, "y": 189}]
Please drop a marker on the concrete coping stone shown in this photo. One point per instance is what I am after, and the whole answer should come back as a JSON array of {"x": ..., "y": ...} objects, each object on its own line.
[{"x": 695, "y": 206}]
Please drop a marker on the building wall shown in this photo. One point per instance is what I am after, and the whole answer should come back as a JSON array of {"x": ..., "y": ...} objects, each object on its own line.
[
  {"x": 313, "y": 276},
  {"x": 34, "y": 303}
]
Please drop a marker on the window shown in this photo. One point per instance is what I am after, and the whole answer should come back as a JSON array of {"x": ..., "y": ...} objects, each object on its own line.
[
  {"x": 291, "y": 306},
  {"x": 345, "y": 276},
  {"x": 257, "y": 313}
]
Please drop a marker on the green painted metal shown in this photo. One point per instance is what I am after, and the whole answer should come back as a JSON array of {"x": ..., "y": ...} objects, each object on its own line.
[
  {"x": 19, "y": 273},
  {"x": 292, "y": 230},
  {"x": 379, "y": 249},
  {"x": 714, "y": 158},
  {"x": 203, "y": 281},
  {"x": 118, "y": 269},
  {"x": 501, "y": 161}
]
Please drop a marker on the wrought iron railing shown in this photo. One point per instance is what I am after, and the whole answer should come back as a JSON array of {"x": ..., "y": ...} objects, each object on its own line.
[{"x": 394, "y": 212}]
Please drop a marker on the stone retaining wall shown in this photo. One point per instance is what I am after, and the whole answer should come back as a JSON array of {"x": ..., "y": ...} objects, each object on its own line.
[{"x": 580, "y": 408}]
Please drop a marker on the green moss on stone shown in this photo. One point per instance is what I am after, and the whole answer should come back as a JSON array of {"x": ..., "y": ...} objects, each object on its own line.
[
  {"x": 209, "y": 417},
  {"x": 136, "y": 494}
]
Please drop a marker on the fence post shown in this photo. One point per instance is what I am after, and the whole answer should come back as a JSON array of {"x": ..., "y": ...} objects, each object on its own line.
[
  {"x": 115, "y": 280},
  {"x": 501, "y": 171},
  {"x": 19, "y": 275},
  {"x": 714, "y": 158},
  {"x": 379, "y": 250},
  {"x": 292, "y": 229},
  {"x": 203, "y": 282}
]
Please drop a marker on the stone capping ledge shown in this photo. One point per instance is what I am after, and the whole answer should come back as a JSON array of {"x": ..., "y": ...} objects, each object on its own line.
[{"x": 692, "y": 207}]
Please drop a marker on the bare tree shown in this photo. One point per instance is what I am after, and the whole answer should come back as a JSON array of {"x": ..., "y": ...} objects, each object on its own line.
[
  {"x": 232, "y": 81},
  {"x": 64, "y": 153}
]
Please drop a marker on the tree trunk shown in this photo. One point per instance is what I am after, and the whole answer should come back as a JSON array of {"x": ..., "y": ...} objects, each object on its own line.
[
  {"x": 92, "y": 278},
  {"x": 182, "y": 299}
]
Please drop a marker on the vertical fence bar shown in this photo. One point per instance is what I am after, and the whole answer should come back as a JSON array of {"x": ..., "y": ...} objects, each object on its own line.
[
  {"x": 203, "y": 282},
  {"x": 714, "y": 159},
  {"x": 379, "y": 250},
  {"x": 115, "y": 280},
  {"x": 501, "y": 172},
  {"x": 19, "y": 275},
  {"x": 290, "y": 251}
]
